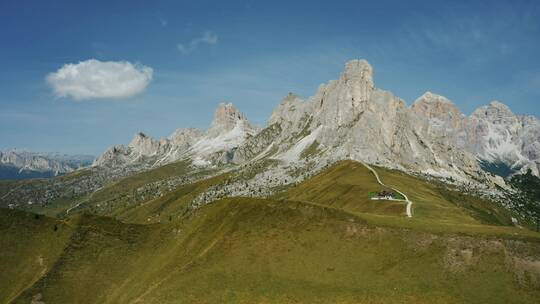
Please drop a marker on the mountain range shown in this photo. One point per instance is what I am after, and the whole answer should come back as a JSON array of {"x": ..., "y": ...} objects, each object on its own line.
[
  {"x": 350, "y": 118},
  {"x": 20, "y": 164},
  {"x": 348, "y": 196},
  {"x": 346, "y": 119}
]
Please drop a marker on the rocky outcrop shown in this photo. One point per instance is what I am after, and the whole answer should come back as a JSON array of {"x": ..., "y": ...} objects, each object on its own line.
[
  {"x": 503, "y": 143},
  {"x": 229, "y": 129},
  {"x": 351, "y": 118},
  {"x": 497, "y": 135}
]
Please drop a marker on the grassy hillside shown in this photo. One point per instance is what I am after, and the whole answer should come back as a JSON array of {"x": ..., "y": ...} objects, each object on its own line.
[
  {"x": 55, "y": 196},
  {"x": 437, "y": 201},
  {"x": 130, "y": 192},
  {"x": 169, "y": 207},
  {"x": 31, "y": 244},
  {"x": 266, "y": 251},
  {"x": 437, "y": 208},
  {"x": 346, "y": 186},
  {"x": 321, "y": 241}
]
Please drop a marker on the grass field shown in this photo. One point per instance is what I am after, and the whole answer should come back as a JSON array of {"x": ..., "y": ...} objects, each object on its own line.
[
  {"x": 321, "y": 241},
  {"x": 266, "y": 251},
  {"x": 345, "y": 186},
  {"x": 434, "y": 201},
  {"x": 31, "y": 244},
  {"x": 436, "y": 208}
]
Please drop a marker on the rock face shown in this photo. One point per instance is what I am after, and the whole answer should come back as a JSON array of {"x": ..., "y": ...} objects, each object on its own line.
[
  {"x": 15, "y": 164},
  {"x": 347, "y": 118},
  {"x": 228, "y": 130},
  {"x": 226, "y": 118},
  {"x": 498, "y": 136},
  {"x": 351, "y": 118}
]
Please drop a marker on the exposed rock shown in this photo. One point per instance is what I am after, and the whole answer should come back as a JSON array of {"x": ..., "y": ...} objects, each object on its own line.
[
  {"x": 15, "y": 164},
  {"x": 497, "y": 135},
  {"x": 347, "y": 118},
  {"x": 229, "y": 129},
  {"x": 351, "y": 118}
]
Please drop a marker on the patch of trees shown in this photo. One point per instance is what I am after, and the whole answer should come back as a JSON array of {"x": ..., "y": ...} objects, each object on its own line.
[{"x": 529, "y": 198}]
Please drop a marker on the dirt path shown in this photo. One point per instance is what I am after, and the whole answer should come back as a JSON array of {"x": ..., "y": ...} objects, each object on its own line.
[
  {"x": 75, "y": 206},
  {"x": 409, "y": 203}
]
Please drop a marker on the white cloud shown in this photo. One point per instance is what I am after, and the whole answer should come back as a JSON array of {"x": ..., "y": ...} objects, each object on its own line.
[
  {"x": 92, "y": 79},
  {"x": 207, "y": 38}
]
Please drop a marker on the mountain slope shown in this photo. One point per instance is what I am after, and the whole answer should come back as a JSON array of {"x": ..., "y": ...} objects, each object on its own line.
[
  {"x": 31, "y": 246},
  {"x": 347, "y": 118},
  {"x": 347, "y": 185},
  {"x": 506, "y": 138},
  {"x": 249, "y": 250},
  {"x": 229, "y": 129},
  {"x": 352, "y": 118}
]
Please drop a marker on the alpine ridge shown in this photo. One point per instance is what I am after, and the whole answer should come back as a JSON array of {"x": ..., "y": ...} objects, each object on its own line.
[
  {"x": 20, "y": 164},
  {"x": 229, "y": 129},
  {"x": 350, "y": 118}
]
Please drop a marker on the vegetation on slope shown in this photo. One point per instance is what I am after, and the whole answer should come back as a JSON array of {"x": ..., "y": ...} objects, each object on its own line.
[
  {"x": 170, "y": 206},
  {"x": 31, "y": 245},
  {"x": 436, "y": 201},
  {"x": 436, "y": 207},
  {"x": 137, "y": 189},
  {"x": 265, "y": 251},
  {"x": 322, "y": 241},
  {"x": 527, "y": 201},
  {"x": 346, "y": 186}
]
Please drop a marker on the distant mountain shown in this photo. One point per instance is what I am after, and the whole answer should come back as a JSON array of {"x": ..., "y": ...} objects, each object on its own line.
[
  {"x": 229, "y": 129},
  {"x": 20, "y": 164}
]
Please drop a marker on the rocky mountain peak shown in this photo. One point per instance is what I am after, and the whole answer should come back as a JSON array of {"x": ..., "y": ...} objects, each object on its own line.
[
  {"x": 226, "y": 118},
  {"x": 351, "y": 118},
  {"x": 226, "y": 115},
  {"x": 495, "y": 109},
  {"x": 438, "y": 109},
  {"x": 291, "y": 97},
  {"x": 144, "y": 144},
  {"x": 429, "y": 97},
  {"x": 32, "y": 164},
  {"x": 139, "y": 138},
  {"x": 499, "y": 105},
  {"x": 290, "y": 107},
  {"x": 358, "y": 69},
  {"x": 358, "y": 76}
]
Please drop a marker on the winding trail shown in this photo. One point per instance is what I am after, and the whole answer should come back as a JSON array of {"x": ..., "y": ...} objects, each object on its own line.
[
  {"x": 75, "y": 206},
  {"x": 409, "y": 202}
]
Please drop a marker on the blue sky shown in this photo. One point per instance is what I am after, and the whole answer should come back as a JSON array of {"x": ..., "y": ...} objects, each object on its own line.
[{"x": 251, "y": 53}]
